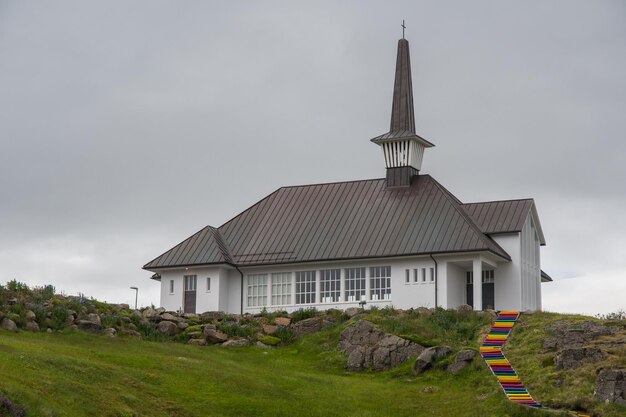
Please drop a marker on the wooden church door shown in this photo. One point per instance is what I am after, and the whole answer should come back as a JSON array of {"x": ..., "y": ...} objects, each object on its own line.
[{"x": 189, "y": 302}]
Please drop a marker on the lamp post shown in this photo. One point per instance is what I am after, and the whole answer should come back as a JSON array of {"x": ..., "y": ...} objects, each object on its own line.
[{"x": 136, "y": 294}]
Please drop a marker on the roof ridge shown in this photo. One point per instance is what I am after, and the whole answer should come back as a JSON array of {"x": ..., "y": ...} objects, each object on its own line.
[
  {"x": 499, "y": 201},
  {"x": 329, "y": 183},
  {"x": 456, "y": 203}
]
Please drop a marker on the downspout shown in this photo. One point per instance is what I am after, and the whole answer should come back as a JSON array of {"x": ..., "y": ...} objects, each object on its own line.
[
  {"x": 241, "y": 300},
  {"x": 436, "y": 273}
]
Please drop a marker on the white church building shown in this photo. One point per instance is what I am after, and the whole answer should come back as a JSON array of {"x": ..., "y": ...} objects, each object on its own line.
[{"x": 403, "y": 241}]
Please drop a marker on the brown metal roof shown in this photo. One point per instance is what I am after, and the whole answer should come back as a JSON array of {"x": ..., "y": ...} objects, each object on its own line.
[
  {"x": 346, "y": 220},
  {"x": 545, "y": 277},
  {"x": 500, "y": 216}
]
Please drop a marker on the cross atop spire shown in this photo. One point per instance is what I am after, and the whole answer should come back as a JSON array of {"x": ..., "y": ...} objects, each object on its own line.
[{"x": 403, "y": 27}]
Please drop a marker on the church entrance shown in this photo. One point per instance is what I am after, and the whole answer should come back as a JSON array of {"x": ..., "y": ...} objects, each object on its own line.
[
  {"x": 489, "y": 299},
  {"x": 189, "y": 302}
]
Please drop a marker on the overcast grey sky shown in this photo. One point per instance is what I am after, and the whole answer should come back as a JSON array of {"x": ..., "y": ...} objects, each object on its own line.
[{"x": 127, "y": 126}]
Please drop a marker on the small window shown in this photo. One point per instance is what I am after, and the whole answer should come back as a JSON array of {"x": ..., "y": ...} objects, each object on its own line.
[
  {"x": 416, "y": 275},
  {"x": 432, "y": 274},
  {"x": 470, "y": 277},
  {"x": 488, "y": 276},
  {"x": 423, "y": 274},
  {"x": 208, "y": 284},
  {"x": 171, "y": 286},
  {"x": 407, "y": 278},
  {"x": 191, "y": 282}
]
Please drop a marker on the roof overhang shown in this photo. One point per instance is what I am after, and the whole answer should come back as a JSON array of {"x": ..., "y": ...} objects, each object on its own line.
[
  {"x": 404, "y": 135},
  {"x": 538, "y": 228},
  {"x": 545, "y": 277}
]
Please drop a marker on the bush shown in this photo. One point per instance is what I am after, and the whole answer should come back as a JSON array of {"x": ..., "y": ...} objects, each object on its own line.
[
  {"x": 285, "y": 335},
  {"x": 192, "y": 329},
  {"x": 58, "y": 316},
  {"x": 303, "y": 314},
  {"x": 269, "y": 340},
  {"x": 233, "y": 329}
]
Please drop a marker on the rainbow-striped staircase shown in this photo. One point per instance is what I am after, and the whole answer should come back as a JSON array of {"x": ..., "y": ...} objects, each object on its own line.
[{"x": 491, "y": 351}]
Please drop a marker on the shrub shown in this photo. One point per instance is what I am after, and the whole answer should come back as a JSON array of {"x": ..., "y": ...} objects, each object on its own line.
[
  {"x": 58, "y": 316},
  {"x": 232, "y": 329},
  {"x": 269, "y": 340},
  {"x": 192, "y": 329},
  {"x": 285, "y": 335},
  {"x": 303, "y": 314}
]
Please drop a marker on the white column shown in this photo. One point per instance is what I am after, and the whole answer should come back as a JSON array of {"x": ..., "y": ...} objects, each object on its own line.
[
  {"x": 269, "y": 291},
  {"x": 293, "y": 288},
  {"x": 478, "y": 284},
  {"x": 367, "y": 284}
]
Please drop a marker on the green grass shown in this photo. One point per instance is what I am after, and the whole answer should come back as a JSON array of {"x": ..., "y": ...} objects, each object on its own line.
[{"x": 76, "y": 374}]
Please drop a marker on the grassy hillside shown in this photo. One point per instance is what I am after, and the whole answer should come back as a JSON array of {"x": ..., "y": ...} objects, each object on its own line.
[{"x": 78, "y": 374}]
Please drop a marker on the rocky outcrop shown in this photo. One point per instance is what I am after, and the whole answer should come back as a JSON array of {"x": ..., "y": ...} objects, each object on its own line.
[
  {"x": 572, "y": 358},
  {"x": 425, "y": 360},
  {"x": 110, "y": 331},
  {"x": 611, "y": 386},
  {"x": 32, "y": 326},
  {"x": 568, "y": 335},
  {"x": 236, "y": 343},
  {"x": 368, "y": 347},
  {"x": 89, "y": 325},
  {"x": 212, "y": 335},
  {"x": 197, "y": 342},
  {"x": 282, "y": 321},
  {"x": 462, "y": 360}
]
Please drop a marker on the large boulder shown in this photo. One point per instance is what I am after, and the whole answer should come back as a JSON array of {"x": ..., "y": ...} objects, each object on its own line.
[
  {"x": 171, "y": 317},
  {"x": 168, "y": 327},
  {"x": 89, "y": 326},
  {"x": 8, "y": 324},
  {"x": 353, "y": 311},
  {"x": 93, "y": 317},
  {"x": 282, "y": 321},
  {"x": 308, "y": 326},
  {"x": 212, "y": 335},
  {"x": 572, "y": 358},
  {"x": 465, "y": 309},
  {"x": 461, "y": 360},
  {"x": 149, "y": 312},
  {"x": 32, "y": 326},
  {"x": 110, "y": 331},
  {"x": 197, "y": 342},
  {"x": 428, "y": 356},
  {"x": 368, "y": 347},
  {"x": 568, "y": 335},
  {"x": 30, "y": 315},
  {"x": 611, "y": 386}
]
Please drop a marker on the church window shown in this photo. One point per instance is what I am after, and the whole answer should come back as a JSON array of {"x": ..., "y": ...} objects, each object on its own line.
[
  {"x": 423, "y": 274},
  {"x": 488, "y": 276},
  {"x": 305, "y": 287},
  {"x": 208, "y": 284},
  {"x": 380, "y": 283},
  {"x": 330, "y": 285},
  {"x": 355, "y": 284},
  {"x": 407, "y": 278},
  {"x": 257, "y": 290},
  {"x": 432, "y": 274},
  {"x": 416, "y": 275},
  {"x": 281, "y": 288},
  {"x": 171, "y": 286}
]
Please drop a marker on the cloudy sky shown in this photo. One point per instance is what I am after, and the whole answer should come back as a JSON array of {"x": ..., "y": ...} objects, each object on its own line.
[{"x": 127, "y": 126}]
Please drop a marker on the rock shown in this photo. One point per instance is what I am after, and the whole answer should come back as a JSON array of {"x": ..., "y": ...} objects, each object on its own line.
[
  {"x": 212, "y": 315},
  {"x": 32, "y": 326},
  {"x": 428, "y": 390},
  {"x": 611, "y": 386},
  {"x": 190, "y": 315},
  {"x": 568, "y": 335},
  {"x": 269, "y": 329},
  {"x": 8, "y": 324},
  {"x": 215, "y": 336},
  {"x": 69, "y": 320},
  {"x": 170, "y": 317},
  {"x": 148, "y": 313},
  {"x": 488, "y": 314},
  {"x": 308, "y": 326},
  {"x": 168, "y": 327},
  {"x": 465, "y": 309},
  {"x": 120, "y": 307},
  {"x": 48, "y": 330},
  {"x": 424, "y": 311},
  {"x": 352, "y": 311},
  {"x": 208, "y": 327},
  {"x": 89, "y": 326},
  {"x": 261, "y": 345},
  {"x": 428, "y": 356},
  {"x": 126, "y": 320},
  {"x": 130, "y": 332},
  {"x": 573, "y": 358},
  {"x": 182, "y": 325},
  {"x": 197, "y": 342},
  {"x": 138, "y": 315},
  {"x": 369, "y": 347},
  {"x": 282, "y": 321},
  {"x": 93, "y": 317},
  {"x": 159, "y": 310},
  {"x": 72, "y": 313},
  {"x": 461, "y": 360},
  {"x": 30, "y": 315},
  {"x": 110, "y": 331},
  {"x": 236, "y": 343}
]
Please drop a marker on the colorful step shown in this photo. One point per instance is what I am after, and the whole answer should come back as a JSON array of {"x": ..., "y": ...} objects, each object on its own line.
[{"x": 491, "y": 351}]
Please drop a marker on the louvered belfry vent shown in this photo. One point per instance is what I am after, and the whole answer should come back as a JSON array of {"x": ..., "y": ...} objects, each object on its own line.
[{"x": 402, "y": 147}]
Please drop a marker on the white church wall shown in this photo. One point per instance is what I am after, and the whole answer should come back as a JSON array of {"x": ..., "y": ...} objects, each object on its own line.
[
  {"x": 456, "y": 286},
  {"x": 530, "y": 267},
  {"x": 507, "y": 277},
  {"x": 233, "y": 296},
  {"x": 171, "y": 300}
]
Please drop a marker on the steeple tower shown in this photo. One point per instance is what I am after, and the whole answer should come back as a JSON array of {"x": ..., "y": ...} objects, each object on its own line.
[{"x": 402, "y": 147}]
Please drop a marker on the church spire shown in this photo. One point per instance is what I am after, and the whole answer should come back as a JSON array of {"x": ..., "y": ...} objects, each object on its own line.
[
  {"x": 402, "y": 115},
  {"x": 402, "y": 147}
]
